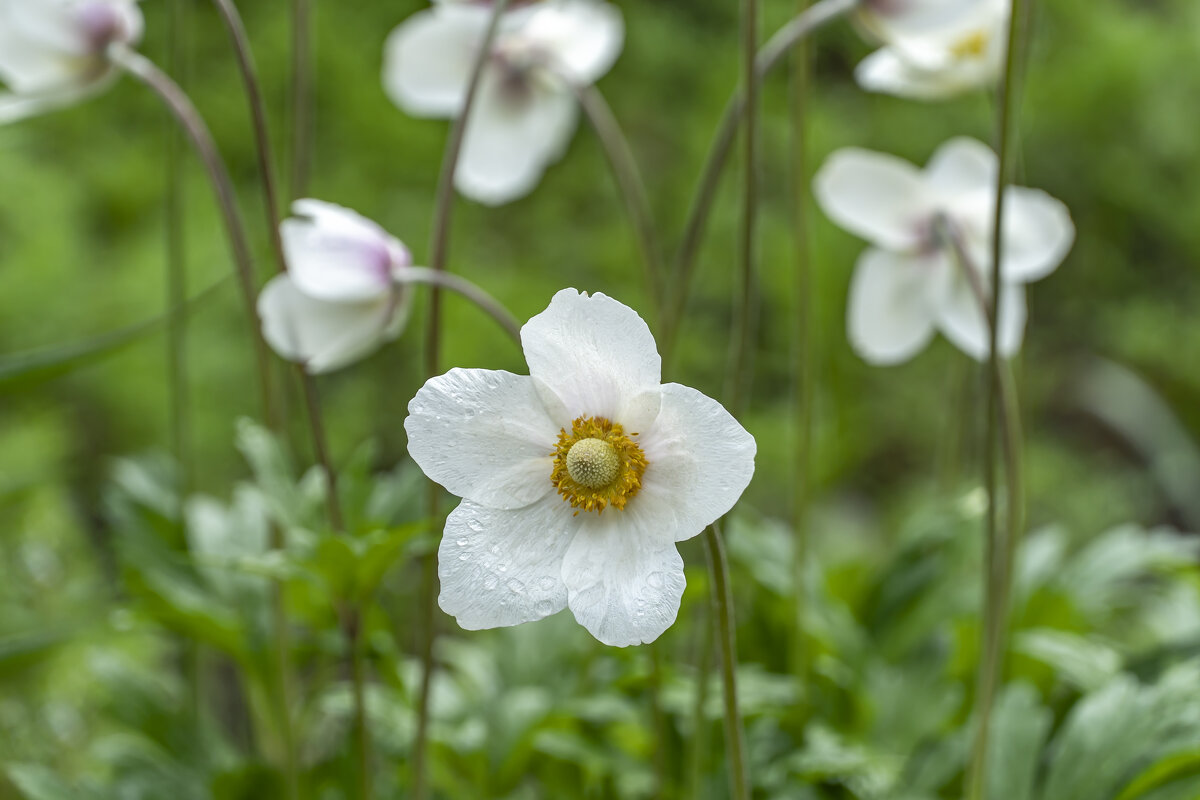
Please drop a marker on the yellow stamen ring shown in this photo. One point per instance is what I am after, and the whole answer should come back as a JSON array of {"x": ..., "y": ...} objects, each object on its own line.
[{"x": 597, "y": 465}]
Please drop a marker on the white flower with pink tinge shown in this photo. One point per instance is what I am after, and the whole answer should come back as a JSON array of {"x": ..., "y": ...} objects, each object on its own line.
[
  {"x": 525, "y": 111},
  {"x": 339, "y": 299},
  {"x": 924, "y": 225},
  {"x": 52, "y": 52},
  {"x": 578, "y": 479},
  {"x": 934, "y": 49}
]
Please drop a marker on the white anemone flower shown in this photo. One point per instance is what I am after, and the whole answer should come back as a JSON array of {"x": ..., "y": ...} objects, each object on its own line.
[
  {"x": 339, "y": 299},
  {"x": 924, "y": 226},
  {"x": 934, "y": 49},
  {"x": 52, "y": 52},
  {"x": 578, "y": 479},
  {"x": 525, "y": 111}
]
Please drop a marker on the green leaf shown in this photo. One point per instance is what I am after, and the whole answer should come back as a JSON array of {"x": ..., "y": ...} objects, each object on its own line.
[
  {"x": 1018, "y": 731},
  {"x": 1083, "y": 662},
  {"x": 1165, "y": 771}
]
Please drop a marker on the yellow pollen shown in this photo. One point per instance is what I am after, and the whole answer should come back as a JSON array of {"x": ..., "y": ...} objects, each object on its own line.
[
  {"x": 597, "y": 465},
  {"x": 973, "y": 45},
  {"x": 593, "y": 462}
]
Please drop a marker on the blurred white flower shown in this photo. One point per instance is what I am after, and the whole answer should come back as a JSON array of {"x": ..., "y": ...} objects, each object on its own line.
[
  {"x": 339, "y": 300},
  {"x": 525, "y": 112},
  {"x": 911, "y": 282},
  {"x": 52, "y": 52},
  {"x": 934, "y": 49},
  {"x": 578, "y": 479}
]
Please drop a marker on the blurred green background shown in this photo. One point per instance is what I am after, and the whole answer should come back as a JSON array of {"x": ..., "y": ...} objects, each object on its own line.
[{"x": 93, "y": 697}]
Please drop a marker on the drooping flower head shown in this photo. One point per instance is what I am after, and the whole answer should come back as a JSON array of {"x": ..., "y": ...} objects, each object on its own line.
[
  {"x": 934, "y": 49},
  {"x": 923, "y": 225},
  {"x": 52, "y": 52},
  {"x": 339, "y": 300},
  {"x": 525, "y": 112},
  {"x": 578, "y": 479}
]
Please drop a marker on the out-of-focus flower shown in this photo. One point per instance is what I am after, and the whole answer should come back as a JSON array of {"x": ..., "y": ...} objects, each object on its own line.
[
  {"x": 525, "y": 112},
  {"x": 52, "y": 52},
  {"x": 339, "y": 300},
  {"x": 924, "y": 225},
  {"x": 934, "y": 49},
  {"x": 578, "y": 479}
]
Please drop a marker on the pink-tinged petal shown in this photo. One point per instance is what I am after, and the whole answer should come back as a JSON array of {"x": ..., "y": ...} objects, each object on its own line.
[
  {"x": 428, "y": 59},
  {"x": 584, "y": 36},
  {"x": 336, "y": 254},
  {"x": 700, "y": 460},
  {"x": 500, "y": 568},
  {"x": 321, "y": 335},
  {"x": 593, "y": 356},
  {"x": 894, "y": 301},
  {"x": 877, "y": 196},
  {"x": 624, "y": 577},
  {"x": 518, "y": 127},
  {"x": 484, "y": 435},
  {"x": 962, "y": 320}
]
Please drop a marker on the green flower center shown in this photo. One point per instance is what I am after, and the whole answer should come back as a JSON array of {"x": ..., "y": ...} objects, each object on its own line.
[{"x": 593, "y": 463}]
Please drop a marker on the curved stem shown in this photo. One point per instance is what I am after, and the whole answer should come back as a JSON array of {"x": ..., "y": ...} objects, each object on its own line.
[
  {"x": 714, "y": 548},
  {"x": 266, "y": 170},
  {"x": 769, "y": 56},
  {"x": 144, "y": 70},
  {"x": 258, "y": 117},
  {"x": 461, "y": 286},
  {"x": 629, "y": 182},
  {"x": 141, "y": 68},
  {"x": 301, "y": 91},
  {"x": 438, "y": 250}
]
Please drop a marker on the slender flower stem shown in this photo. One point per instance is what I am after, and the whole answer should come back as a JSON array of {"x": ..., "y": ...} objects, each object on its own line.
[
  {"x": 144, "y": 70},
  {"x": 438, "y": 251},
  {"x": 301, "y": 97},
  {"x": 714, "y": 548},
  {"x": 262, "y": 142},
  {"x": 193, "y": 125},
  {"x": 698, "y": 755},
  {"x": 803, "y": 349},
  {"x": 769, "y": 57},
  {"x": 358, "y": 674},
  {"x": 1001, "y": 545},
  {"x": 740, "y": 377},
  {"x": 445, "y": 280},
  {"x": 629, "y": 182}
]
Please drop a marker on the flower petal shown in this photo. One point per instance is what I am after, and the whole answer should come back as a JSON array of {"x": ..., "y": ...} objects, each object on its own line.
[
  {"x": 596, "y": 356},
  {"x": 624, "y": 578},
  {"x": 428, "y": 59},
  {"x": 517, "y": 128},
  {"x": 484, "y": 435},
  {"x": 584, "y": 36},
  {"x": 962, "y": 320},
  {"x": 877, "y": 196},
  {"x": 321, "y": 335},
  {"x": 1038, "y": 232},
  {"x": 338, "y": 255},
  {"x": 500, "y": 568},
  {"x": 16, "y": 107},
  {"x": 894, "y": 301},
  {"x": 700, "y": 460},
  {"x": 961, "y": 165},
  {"x": 890, "y": 71}
]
